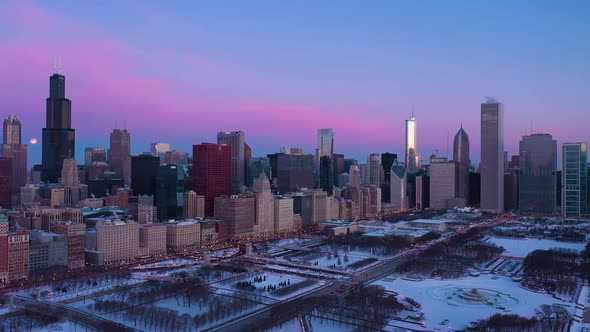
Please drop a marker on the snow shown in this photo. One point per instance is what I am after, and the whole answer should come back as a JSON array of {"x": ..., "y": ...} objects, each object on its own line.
[
  {"x": 168, "y": 263},
  {"x": 522, "y": 247},
  {"x": 440, "y": 300}
]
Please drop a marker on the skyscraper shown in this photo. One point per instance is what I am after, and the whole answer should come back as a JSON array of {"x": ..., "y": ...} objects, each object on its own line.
[
  {"x": 237, "y": 141},
  {"x": 374, "y": 170},
  {"x": 354, "y": 176},
  {"x": 144, "y": 170},
  {"x": 492, "y": 156},
  {"x": 398, "y": 183},
  {"x": 537, "y": 174},
  {"x": 292, "y": 171},
  {"x": 574, "y": 183},
  {"x": 326, "y": 176},
  {"x": 387, "y": 160},
  {"x": 69, "y": 173},
  {"x": 58, "y": 135},
  {"x": 5, "y": 182},
  {"x": 169, "y": 192},
  {"x": 442, "y": 183},
  {"x": 212, "y": 172},
  {"x": 461, "y": 159},
  {"x": 17, "y": 152},
  {"x": 325, "y": 143},
  {"x": 120, "y": 154},
  {"x": 338, "y": 163},
  {"x": 412, "y": 158},
  {"x": 264, "y": 224}
]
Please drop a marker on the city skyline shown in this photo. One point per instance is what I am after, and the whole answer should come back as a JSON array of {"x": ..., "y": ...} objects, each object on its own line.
[{"x": 364, "y": 121}]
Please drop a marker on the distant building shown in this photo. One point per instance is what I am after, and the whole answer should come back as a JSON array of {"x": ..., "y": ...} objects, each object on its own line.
[
  {"x": 374, "y": 169},
  {"x": 144, "y": 170},
  {"x": 152, "y": 239},
  {"x": 387, "y": 160},
  {"x": 574, "y": 179},
  {"x": 184, "y": 235},
  {"x": 47, "y": 250},
  {"x": 169, "y": 192},
  {"x": 159, "y": 149},
  {"x": 412, "y": 158},
  {"x": 326, "y": 176},
  {"x": 13, "y": 148},
  {"x": 537, "y": 174},
  {"x": 461, "y": 159},
  {"x": 338, "y": 166},
  {"x": 120, "y": 154},
  {"x": 237, "y": 141},
  {"x": 292, "y": 172},
  {"x": 255, "y": 166},
  {"x": 422, "y": 192},
  {"x": 354, "y": 176},
  {"x": 194, "y": 205},
  {"x": 5, "y": 182},
  {"x": 511, "y": 180},
  {"x": 14, "y": 253},
  {"x": 398, "y": 187},
  {"x": 264, "y": 223},
  {"x": 239, "y": 212},
  {"x": 212, "y": 172},
  {"x": 283, "y": 213},
  {"x": 492, "y": 156},
  {"x": 118, "y": 240},
  {"x": 442, "y": 183}
]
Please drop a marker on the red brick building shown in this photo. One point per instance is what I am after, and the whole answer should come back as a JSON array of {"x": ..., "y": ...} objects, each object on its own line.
[{"x": 5, "y": 182}]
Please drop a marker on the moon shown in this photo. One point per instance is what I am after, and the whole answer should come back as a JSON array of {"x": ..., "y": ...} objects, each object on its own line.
[{"x": 33, "y": 141}]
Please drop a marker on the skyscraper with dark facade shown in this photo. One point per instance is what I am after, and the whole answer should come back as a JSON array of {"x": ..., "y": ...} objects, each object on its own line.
[
  {"x": 144, "y": 169},
  {"x": 574, "y": 179},
  {"x": 492, "y": 156},
  {"x": 58, "y": 135},
  {"x": 120, "y": 153},
  {"x": 170, "y": 192},
  {"x": 292, "y": 171},
  {"x": 326, "y": 176},
  {"x": 17, "y": 152},
  {"x": 236, "y": 140},
  {"x": 338, "y": 163},
  {"x": 461, "y": 159},
  {"x": 387, "y": 160},
  {"x": 5, "y": 182},
  {"x": 537, "y": 174},
  {"x": 212, "y": 172}
]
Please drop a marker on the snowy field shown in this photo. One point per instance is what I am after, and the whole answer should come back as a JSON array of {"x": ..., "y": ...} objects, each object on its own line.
[
  {"x": 521, "y": 247},
  {"x": 263, "y": 280},
  {"x": 171, "y": 263},
  {"x": 454, "y": 303}
]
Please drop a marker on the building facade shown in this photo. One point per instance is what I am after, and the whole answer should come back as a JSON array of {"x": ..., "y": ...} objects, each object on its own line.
[
  {"x": 442, "y": 182},
  {"x": 239, "y": 212},
  {"x": 398, "y": 187},
  {"x": 492, "y": 156},
  {"x": 462, "y": 161},
  {"x": 212, "y": 172},
  {"x": 237, "y": 141},
  {"x": 574, "y": 179},
  {"x": 13, "y": 148},
  {"x": 194, "y": 205},
  {"x": 120, "y": 154},
  {"x": 144, "y": 170},
  {"x": 537, "y": 174}
]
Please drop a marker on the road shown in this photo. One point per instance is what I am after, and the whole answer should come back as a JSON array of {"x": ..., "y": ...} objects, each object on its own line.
[{"x": 305, "y": 302}]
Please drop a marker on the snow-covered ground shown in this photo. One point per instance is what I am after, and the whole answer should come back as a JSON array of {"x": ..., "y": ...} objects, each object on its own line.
[
  {"x": 521, "y": 247},
  {"x": 271, "y": 279},
  {"x": 168, "y": 263},
  {"x": 443, "y": 300}
]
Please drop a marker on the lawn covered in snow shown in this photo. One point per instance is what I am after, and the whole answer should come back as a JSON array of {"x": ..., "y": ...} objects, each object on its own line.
[
  {"x": 522, "y": 247},
  {"x": 443, "y": 300}
]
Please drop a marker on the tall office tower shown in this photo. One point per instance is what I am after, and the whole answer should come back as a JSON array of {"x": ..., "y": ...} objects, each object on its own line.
[
  {"x": 169, "y": 192},
  {"x": 17, "y": 152},
  {"x": 325, "y": 142},
  {"x": 5, "y": 182},
  {"x": 239, "y": 212},
  {"x": 422, "y": 192},
  {"x": 574, "y": 179},
  {"x": 236, "y": 140},
  {"x": 194, "y": 205},
  {"x": 461, "y": 158},
  {"x": 144, "y": 170},
  {"x": 212, "y": 172},
  {"x": 511, "y": 189},
  {"x": 412, "y": 158},
  {"x": 326, "y": 176},
  {"x": 58, "y": 136},
  {"x": 354, "y": 176},
  {"x": 264, "y": 224},
  {"x": 364, "y": 174},
  {"x": 69, "y": 173},
  {"x": 247, "y": 158},
  {"x": 255, "y": 166},
  {"x": 338, "y": 163},
  {"x": 159, "y": 149},
  {"x": 387, "y": 160},
  {"x": 442, "y": 183},
  {"x": 398, "y": 184},
  {"x": 120, "y": 154},
  {"x": 538, "y": 174},
  {"x": 374, "y": 169},
  {"x": 492, "y": 156},
  {"x": 292, "y": 172}
]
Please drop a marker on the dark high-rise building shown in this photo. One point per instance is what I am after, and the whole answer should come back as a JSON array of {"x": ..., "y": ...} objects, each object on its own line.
[
  {"x": 256, "y": 166},
  {"x": 120, "y": 154},
  {"x": 538, "y": 174},
  {"x": 461, "y": 159},
  {"x": 105, "y": 184},
  {"x": 5, "y": 182},
  {"x": 144, "y": 169},
  {"x": 236, "y": 140},
  {"x": 212, "y": 172},
  {"x": 338, "y": 163},
  {"x": 574, "y": 179},
  {"x": 474, "y": 189},
  {"x": 326, "y": 177},
  {"x": 58, "y": 135},
  {"x": 247, "y": 157},
  {"x": 349, "y": 162},
  {"x": 511, "y": 189},
  {"x": 492, "y": 156},
  {"x": 387, "y": 160},
  {"x": 17, "y": 152},
  {"x": 292, "y": 172},
  {"x": 169, "y": 192}
]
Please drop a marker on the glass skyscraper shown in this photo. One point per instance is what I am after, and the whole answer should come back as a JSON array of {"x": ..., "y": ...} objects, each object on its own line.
[
  {"x": 537, "y": 174},
  {"x": 412, "y": 159},
  {"x": 574, "y": 179},
  {"x": 492, "y": 156}
]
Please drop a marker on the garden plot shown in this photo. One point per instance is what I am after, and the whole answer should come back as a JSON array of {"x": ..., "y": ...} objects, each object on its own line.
[
  {"x": 268, "y": 285},
  {"x": 456, "y": 303},
  {"x": 522, "y": 247},
  {"x": 339, "y": 258}
]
